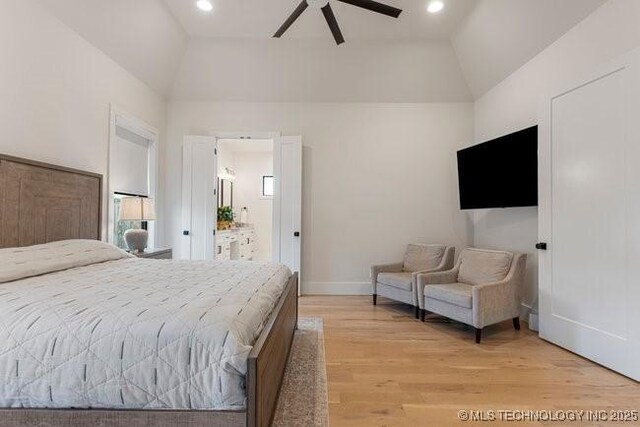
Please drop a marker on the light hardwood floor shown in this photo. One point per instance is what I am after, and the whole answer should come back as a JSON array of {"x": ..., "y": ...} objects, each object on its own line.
[{"x": 386, "y": 368}]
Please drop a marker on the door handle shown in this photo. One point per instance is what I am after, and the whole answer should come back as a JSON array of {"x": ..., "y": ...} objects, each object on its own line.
[
  {"x": 541, "y": 246},
  {"x": 296, "y": 234},
  {"x": 185, "y": 233}
]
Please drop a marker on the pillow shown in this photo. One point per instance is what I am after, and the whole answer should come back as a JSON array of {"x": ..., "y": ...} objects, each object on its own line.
[
  {"x": 20, "y": 263},
  {"x": 480, "y": 266},
  {"x": 422, "y": 257}
]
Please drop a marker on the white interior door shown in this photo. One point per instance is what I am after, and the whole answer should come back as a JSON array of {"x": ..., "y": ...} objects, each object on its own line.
[
  {"x": 590, "y": 216},
  {"x": 199, "y": 213},
  {"x": 287, "y": 201}
]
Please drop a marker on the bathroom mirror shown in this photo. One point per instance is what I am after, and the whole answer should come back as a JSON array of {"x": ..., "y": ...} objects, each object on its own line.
[{"x": 225, "y": 192}]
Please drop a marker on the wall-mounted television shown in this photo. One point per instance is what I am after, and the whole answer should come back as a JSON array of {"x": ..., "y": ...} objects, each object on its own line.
[{"x": 500, "y": 173}]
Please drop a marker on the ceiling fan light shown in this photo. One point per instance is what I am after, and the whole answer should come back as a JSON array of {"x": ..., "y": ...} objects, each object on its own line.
[
  {"x": 325, "y": 6},
  {"x": 435, "y": 6},
  {"x": 317, "y": 4},
  {"x": 204, "y": 5}
]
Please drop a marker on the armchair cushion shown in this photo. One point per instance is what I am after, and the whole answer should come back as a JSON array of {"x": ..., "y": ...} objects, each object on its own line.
[
  {"x": 397, "y": 280},
  {"x": 483, "y": 266},
  {"x": 422, "y": 257},
  {"x": 435, "y": 278},
  {"x": 456, "y": 293}
]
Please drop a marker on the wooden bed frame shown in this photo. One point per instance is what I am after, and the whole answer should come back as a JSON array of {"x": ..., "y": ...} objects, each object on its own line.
[{"x": 41, "y": 203}]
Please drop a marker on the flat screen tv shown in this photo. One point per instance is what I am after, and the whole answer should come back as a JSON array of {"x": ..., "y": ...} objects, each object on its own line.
[{"x": 500, "y": 173}]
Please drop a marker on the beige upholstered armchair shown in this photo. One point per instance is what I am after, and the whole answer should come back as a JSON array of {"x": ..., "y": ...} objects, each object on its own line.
[
  {"x": 398, "y": 281},
  {"x": 482, "y": 289}
]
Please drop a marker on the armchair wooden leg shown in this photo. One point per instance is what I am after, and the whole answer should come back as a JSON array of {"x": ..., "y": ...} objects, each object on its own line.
[
  {"x": 417, "y": 312},
  {"x": 423, "y": 313},
  {"x": 375, "y": 299},
  {"x": 478, "y": 335},
  {"x": 516, "y": 323}
]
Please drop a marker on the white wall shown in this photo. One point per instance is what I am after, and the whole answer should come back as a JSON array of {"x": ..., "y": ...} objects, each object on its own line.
[
  {"x": 250, "y": 167},
  {"x": 55, "y": 91},
  {"x": 225, "y": 159},
  {"x": 375, "y": 177},
  {"x": 290, "y": 70},
  {"x": 610, "y": 31}
]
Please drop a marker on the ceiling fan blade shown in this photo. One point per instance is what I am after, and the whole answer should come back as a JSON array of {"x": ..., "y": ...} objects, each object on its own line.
[
  {"x": 333, "y": 24},
  {"x": 292, "y": 18},
  {"x": 374, "y": 6}
]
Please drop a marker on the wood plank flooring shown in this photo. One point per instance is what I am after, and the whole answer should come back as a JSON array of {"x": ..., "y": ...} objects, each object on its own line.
[{"x": 385, "y": 368}]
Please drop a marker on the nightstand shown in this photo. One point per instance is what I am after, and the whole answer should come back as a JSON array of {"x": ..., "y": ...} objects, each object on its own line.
[{"x": 161, "y": 253}]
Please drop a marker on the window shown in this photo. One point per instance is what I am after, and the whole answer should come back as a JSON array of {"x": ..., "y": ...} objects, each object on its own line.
[
  {"x": 130, "y": 163},
  {"x": 132, "y": 172},
  {"x": 120, "y": 226},
  {"x": 267, "y": 186}
]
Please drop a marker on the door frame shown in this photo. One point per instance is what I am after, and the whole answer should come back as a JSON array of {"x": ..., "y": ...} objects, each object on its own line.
[
  {"x": 121, "y": 118},
  {"x": 274, "y": 136}
]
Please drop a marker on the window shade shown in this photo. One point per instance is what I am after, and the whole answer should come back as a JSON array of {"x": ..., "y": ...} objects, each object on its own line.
[{"x": 130, "y": 163}]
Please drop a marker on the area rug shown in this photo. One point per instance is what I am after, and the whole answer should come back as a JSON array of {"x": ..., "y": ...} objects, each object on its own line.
[{"x": 303, "y": 397}]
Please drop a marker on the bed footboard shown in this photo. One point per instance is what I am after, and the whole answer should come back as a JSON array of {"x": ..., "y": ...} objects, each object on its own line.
[
  {"x": 268, "y": 359},
  {"x": 266, "y": 365},
  {"x": 118, "y": 417}
]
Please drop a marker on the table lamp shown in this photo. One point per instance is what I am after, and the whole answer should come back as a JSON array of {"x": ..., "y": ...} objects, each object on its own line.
[{"x": 137, "y": 209}]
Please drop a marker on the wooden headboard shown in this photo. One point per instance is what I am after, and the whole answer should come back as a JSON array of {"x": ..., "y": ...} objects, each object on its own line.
[{"x": 42, "y": 203}]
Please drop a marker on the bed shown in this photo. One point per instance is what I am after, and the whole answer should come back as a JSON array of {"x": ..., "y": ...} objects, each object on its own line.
[{"x": 92, "y": 335}]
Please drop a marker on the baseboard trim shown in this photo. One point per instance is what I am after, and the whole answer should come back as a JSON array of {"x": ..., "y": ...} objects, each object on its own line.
[
  {"x": 364, "y": 288},
  {"x": 534, "y": 322},
  {"x": 528, "y": 315},
  {"x": 336, "y": 288},
  {"x": 525, "y": 310}
]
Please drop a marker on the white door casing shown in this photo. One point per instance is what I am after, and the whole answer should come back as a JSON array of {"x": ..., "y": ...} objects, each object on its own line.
[
  {"x": 199, "y": 208},
  {"x": 589, "y": 214},
  {"x": 120, "y": 118},
  {"x": 287, "y": 201},
  {"x": 199, "y": 213}
]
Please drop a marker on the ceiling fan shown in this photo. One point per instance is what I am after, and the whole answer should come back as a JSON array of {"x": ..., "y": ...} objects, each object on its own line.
[{"x": 325, "y": 6}]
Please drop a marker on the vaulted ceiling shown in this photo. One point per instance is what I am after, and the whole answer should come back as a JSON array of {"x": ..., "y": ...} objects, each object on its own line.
[
  {"x": 229, "y": 55},
  {"x": 502, "y": 35},
  {"x": 141, "y": 35},
  {"x": 261, "y": 18}
]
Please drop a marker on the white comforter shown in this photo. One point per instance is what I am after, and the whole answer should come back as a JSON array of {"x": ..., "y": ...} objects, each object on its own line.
[{"x": 124, "y": 332}]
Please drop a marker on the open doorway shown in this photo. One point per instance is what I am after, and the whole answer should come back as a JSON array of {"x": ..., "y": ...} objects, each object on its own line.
[
  {"x": 200, "y": 186},
  {"x": 245, "y": 189}
]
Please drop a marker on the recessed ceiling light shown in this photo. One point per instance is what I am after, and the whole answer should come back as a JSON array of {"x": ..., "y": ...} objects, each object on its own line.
[
  {"x": 435, "y": 6},
  {"x": 204, "y": 5}
]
